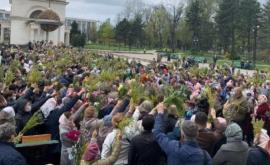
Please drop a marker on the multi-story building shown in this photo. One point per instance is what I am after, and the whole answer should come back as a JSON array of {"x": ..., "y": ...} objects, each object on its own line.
[
  {"x": 85, "y": 26},
  {"x": 4, "y": 26}
]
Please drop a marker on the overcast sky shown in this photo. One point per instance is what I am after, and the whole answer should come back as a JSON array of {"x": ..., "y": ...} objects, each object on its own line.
[{"x": 94, "y": 9}]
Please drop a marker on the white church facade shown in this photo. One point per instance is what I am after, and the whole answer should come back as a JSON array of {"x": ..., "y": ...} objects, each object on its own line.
[{"x": 23, "y": 23}]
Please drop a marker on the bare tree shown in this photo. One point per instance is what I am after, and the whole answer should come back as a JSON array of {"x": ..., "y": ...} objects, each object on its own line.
[{"x": 175, "y": 10}]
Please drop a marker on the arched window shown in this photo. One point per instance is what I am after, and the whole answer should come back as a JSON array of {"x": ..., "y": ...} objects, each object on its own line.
[{"x": 35, "y": 14}]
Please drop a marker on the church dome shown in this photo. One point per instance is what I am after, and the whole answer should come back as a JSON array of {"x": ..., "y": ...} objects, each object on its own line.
[{"x": 52, "y": 22}]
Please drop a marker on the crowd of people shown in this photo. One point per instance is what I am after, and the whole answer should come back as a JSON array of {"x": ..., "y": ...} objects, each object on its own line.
[{"x": 97, "y": 122}]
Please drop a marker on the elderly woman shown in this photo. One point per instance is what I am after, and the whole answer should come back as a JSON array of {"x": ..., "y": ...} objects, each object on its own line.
[
  {"x": 261, "y": 111},
  {"x": 260, "y": 154},
  {"x": 235, "y": 151},
  {"x": 8, "y": 155}
]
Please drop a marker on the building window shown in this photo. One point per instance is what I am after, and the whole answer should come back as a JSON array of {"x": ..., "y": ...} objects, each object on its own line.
[
  {"x": 6, "y": 35},
  {"x": 7, "y": 16},
  {"x": 1, "y": 16},
  {"x": 35, "y": 14}
]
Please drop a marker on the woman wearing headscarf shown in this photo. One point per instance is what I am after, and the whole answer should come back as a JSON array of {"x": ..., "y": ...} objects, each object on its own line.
[
  {"x": 92, "y": 152},
  {"x": 261, "y": 111},
  {"x": 23, "y": 114},
  {"x": 66, "y": 127},
  {"x": 235, "y": 151},
  {"x": 260, "y": 154}
]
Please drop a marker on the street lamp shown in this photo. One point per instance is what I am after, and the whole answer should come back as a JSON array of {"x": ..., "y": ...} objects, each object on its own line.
[
  {"x": 255, "y": 30},
  {"x": 195, "y": 43}
]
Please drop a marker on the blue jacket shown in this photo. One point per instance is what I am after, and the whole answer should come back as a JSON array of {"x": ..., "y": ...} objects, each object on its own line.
[{"x": 188, "y": 153}]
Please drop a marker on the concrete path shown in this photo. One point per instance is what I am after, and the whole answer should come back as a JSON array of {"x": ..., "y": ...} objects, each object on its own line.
[{"x": 146, "y": 59}]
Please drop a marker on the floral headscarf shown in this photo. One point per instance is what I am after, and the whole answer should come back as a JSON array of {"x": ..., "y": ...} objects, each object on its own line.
[{"x": 263, "y": 140}]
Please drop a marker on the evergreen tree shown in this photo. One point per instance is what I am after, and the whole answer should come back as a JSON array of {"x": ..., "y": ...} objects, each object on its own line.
[
  {"x": 227, "y": 19},
  {"x": 122, "y": 31},
  {"x": 136, "y": 34},
  {"x": 194, "y": 20},
  {"x": 76, "y": 38},
  {"x": 265, "y": 29},
  {"x": 249, "y": 12}
]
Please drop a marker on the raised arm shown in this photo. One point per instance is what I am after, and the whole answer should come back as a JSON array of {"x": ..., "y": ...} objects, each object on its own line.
[{"x": 164, "y": 142}]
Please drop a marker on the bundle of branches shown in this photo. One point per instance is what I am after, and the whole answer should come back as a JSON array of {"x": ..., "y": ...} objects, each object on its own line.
[
  {"x": 34, "y": 121},
  {"x": 78, "y": 150},
  {"x": 124, "y": 123},
  {"x": 176, "y": 100},
  {"x": 122, "y": 90},
  {"x": 107, "y": 75},
  {"x": 15, "y": 66},
  {"x": 257, "y": 126},
  {"x": 91, "y": 83},
  {"x": 183, "y": 92},
  {"x": 63, "y": 62},
  {"x": 194, "y": 71},
  {"x": 210, "y": 95},
  {"x": 2, "y": 74},
  {"x": 256, "y": 79},
  {"x": 203, "y": 72},
  {"x": 9, "y": 77},
  {"x": 136, "y": 92},
  {"x": 34, "y": 76},
  {"x": 153, "y": 95}
]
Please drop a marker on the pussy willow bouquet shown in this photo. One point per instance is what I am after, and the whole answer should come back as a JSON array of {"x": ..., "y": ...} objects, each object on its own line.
[
  {"x": 9, "y": 77},
  {"x": 136, "y": 92},
  {"x": 34, "y": 121},
  {"x": 257, "y": 126},
  {"x": 34, "y": 76}
]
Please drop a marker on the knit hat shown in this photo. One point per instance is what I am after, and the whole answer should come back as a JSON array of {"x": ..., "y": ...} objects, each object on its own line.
[
  {"x": 234, "y": 133},
  {"x": 91, "y": 152}
]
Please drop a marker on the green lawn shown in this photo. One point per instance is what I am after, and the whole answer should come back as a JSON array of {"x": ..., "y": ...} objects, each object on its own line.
[{"x": 112, "y": 47}]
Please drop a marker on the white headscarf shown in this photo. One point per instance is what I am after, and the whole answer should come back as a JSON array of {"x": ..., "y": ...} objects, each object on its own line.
[
  {"x": 10, "y": 111},
  {"x": 48, "y": 106}
]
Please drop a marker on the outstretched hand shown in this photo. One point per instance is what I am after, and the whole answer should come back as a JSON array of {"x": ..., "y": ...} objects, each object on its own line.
[{"x": 160, "y": 108}]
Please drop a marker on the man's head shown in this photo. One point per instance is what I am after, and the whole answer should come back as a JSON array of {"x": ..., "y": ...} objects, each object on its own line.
[
  {"x": 220, "y": 125},
  {"x": 7, "y": 132},
  {"x": 201, "y": 119},
  {"x": 148, "y": 122},
  {"x": 189, "y": 130}
]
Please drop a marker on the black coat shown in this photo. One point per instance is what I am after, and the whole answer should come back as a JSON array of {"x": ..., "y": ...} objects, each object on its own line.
[
  {"x": 9, "y": 156},
  {"x": 144, "y": 150},
  {"x": 257, "y": 156},
  {"x": 21, "y": 117}
]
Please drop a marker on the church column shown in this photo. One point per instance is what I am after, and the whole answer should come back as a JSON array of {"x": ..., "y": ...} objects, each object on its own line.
[
  {"x": 38, "y": 34},
  {"x": 32, "y": 32},
  {"x": 2, "y": 35},
  {"x": 67, "y": 38},
  {"x": 58, "y": 36}
]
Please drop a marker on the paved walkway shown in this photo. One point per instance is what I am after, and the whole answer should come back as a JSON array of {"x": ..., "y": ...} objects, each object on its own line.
[{"x": 145, "y": 59}]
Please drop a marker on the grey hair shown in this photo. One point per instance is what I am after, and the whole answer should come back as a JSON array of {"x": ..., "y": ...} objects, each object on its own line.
[
  {"x": 190, "y": 130},
  {"x": 7, "y": 130},
  {"x": 6, "y": 118}
]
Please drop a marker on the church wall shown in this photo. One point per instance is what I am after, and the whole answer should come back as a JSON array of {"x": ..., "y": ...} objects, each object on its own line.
[
  {"x": 20, "y": 12},
  {"x": 19, "y": 32}
]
